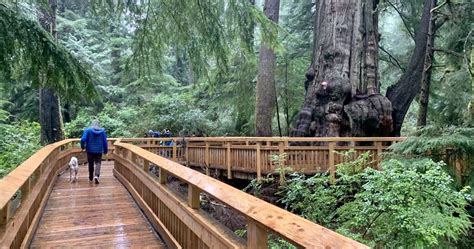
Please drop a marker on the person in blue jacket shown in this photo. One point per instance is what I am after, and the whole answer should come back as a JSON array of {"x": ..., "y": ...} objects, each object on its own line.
[{"x": 94, "y": 141}]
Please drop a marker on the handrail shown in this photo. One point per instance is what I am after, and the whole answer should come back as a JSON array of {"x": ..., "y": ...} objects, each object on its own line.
[
  {"x": 273, "y": 139},
  {"x": 262, "y": 216},
  {"x": 248, "y": 157},
  {"x": 11, "y": 183},
  {"x": 25, "y": 190}
]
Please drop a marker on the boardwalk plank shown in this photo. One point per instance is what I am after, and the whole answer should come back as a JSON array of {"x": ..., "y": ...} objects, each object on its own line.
[{"x": 88, "y": 215}]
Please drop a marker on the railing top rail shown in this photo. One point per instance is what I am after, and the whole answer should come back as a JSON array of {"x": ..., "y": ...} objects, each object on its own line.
[
  {"x": 290, "y": 226},
  {"x": 12, "y": 182},
  {"x": 273, "y": 139}
]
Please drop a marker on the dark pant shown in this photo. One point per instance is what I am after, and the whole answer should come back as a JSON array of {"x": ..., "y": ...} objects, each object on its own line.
[{"x": 93, "y": 158}]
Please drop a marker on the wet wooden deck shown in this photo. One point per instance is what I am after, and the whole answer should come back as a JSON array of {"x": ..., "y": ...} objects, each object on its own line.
[{"x": 87, "y": 215}]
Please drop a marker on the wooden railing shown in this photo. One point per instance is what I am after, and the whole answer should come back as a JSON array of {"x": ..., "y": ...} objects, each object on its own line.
[
  {"x": 24, "y": 192},
  {"x": 232, "y": 155},
  {"x": 182, "y": 224}
]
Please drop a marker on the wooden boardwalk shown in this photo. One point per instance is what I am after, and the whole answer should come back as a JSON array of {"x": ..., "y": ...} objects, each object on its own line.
[{"x": 87, "y": 215}]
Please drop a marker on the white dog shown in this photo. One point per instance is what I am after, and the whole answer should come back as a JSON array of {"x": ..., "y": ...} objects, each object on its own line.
[{"x": 73, "y": 168}]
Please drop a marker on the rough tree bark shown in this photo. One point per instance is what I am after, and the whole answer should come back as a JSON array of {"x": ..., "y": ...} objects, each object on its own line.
[
  {"x": 342, "y": 85},
  {"x": 426, "y": 77},
  {"x": 408, "y": 86},
  {"x": 265, "y": 91},
  {"x": 50, "y": 109},
  {"x": 343, "y": 90}
]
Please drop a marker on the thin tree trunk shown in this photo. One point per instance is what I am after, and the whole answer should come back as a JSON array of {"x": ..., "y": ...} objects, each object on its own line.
[
  {"x": 426, "y": 77},
  {"x": 408, "y": 86},
  {"x": 287, "y": 105},
  {"x": 277, "y": 113},
  {"x": 265, "y": 91},
  {"x": 50, "y": 109}
]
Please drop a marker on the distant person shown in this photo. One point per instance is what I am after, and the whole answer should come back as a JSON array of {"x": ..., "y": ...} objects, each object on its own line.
[
  {"x": 168, "y": 134},
  {"x": 94, "y": 141}
]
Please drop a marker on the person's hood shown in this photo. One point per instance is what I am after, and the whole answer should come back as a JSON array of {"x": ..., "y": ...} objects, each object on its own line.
[{"x": 97, "y": 131}]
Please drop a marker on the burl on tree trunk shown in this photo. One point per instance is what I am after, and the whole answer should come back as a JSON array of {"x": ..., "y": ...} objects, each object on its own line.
[
  {"x": 342, "y": 87},
  {"x": 343, "y": 97}
]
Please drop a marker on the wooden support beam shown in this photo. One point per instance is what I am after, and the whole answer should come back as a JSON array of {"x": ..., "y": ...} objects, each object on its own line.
[
  {"x": 162, "y": 176},
  {"x": 281, "y": 148},
  {"x": 5, "y": 214},
  {"x": 175, "y": 157},
  {"x": 259, "y": 162},
  {"x": 378, "y": 145},
  {"x": 194, "y": 193},
  {"x": 186, "y": 153},
  {"x": 332, "y": 165},
  {"x": 459, "y": 168},
  {"x": 229, "y": 161},
  {"x": 256, "y": 236},
  {"x": 206, "y": 158},
  {"x": 146, "y": 166},
  {"x": 25, "y": 188}
]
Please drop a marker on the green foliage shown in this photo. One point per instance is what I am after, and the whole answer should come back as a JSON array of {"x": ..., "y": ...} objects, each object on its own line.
[
  {"x": 216, "y": 28},
  {"x": 18, "y": 141},
  {"x": 255, "y": 186},
  {"x": 316, "y": 199},
  {"x": 280, "y": 166},
  {"x": 435, "y": 140},
  {"x": 407, "y": 204},
  {"x": 29, "y": 53},
  {"x": 410, "y": 203}
]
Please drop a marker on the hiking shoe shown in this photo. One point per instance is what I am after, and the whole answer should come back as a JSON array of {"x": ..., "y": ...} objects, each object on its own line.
[{"x": 96, "y": 180}]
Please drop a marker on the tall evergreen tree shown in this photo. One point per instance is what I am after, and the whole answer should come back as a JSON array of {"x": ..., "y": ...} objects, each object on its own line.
[
  {"x": 50, "y": 117},
  {"x": 266, "y": 89}
]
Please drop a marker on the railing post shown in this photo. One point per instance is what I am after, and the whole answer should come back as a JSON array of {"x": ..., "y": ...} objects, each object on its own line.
[
  {"x": 258, "y": 162},
  {"x": 256, "y": 236},
  {"x": 193, "y": 196},
  {"x": 459, "y": 165},
  {"x": 206, "y": 158},
  {"x": 332, "y": 166},
  {"x": 162, "y": 176},
  {"x": 229, "y": 161},
  {"x": 146, "y": 166},
  {"x": 186, "y": 154},
  {"x": 281, "y": 149},
  {"x": 378, "y": 145},
  {"x": 25, "y": 189},
  {"x": 175, "y": 157},
  {"x": 5, "y": 214}
]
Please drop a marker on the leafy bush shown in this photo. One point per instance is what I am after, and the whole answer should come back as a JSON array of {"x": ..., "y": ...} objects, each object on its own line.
[
  {"x": 316, "y": 199},
  {"x": 409, "y": 203},
  {"x": 18, "y": 141}
]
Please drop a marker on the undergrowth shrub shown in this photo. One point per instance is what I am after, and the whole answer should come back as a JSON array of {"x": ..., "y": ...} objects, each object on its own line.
[
  {"x": 18, "y": 141},
  {"x": 409, "y": 203}
]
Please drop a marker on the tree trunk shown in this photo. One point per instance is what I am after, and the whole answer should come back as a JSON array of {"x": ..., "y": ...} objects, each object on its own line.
[
  {"x": 342, "y": 85},
  {"x": 343, "y": 90},
  {"x": 426, "y": 77},
  {"x": 50, "y": 110},
  {"x": 404, "y": 91},
  {"x": 265, "y": 91}
]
